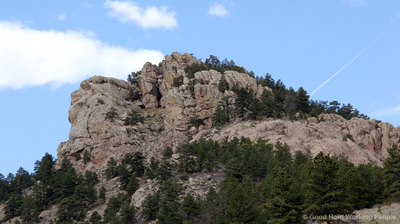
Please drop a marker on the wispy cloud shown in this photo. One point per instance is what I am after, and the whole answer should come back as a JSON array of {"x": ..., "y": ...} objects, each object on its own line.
[
  {"x": 218, "y": 10},
  {"x": 397, "y": 17},
  {"x": 152, "y": 17},
  {"x": 31, "y": 57},
  {"x": 87, "y": 5},
  {"x": 319, "y": 87},
  {"x": 388, "y": 112},
  {"x": 61, "y": 17},
  {"x": 355, "y": 2}
]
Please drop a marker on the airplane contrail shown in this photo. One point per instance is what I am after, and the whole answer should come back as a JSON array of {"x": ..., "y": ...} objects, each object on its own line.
[
  {"x": 397, "y": 17},
  {"x": 345, "y": 65}
]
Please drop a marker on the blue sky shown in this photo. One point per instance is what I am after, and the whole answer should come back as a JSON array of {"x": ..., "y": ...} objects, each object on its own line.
[{"x": 48, "y": 47}]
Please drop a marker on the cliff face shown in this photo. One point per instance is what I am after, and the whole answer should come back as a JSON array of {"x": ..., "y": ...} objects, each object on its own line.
[{"x": 167, "y": 110}]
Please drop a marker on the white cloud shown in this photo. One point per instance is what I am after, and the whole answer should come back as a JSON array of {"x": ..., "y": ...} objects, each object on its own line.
[
  {"x": 61, "y": 17},
  {"x": 152, "y": 17},
  {"x": 30, "y": 57},
  {"x": 218, "y": 10},
  {"x": 388, "y": 112},
  {"x": 87, "y": 5},
  {"x": 355, "y": 2}
]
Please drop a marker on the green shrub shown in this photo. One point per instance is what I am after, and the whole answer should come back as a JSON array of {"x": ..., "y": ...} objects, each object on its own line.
[
  {"x": 78, "y": 157},
  {"x": 195, "y": 67},
  {"x": 195, "y": 121},
  {"x": 86, "y": 156},
  {"x": 111, "y": 114},
  {"x": 349, "y": 136},
  {"x": 178, "y": 81},
  {"x": 167, "y": 153},
  {"x": 133, "y": 118},
  {"x": 363, "y": 132}
]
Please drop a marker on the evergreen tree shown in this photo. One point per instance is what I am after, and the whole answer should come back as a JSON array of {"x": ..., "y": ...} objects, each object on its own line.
[
  {"x": 169, "y": 213},
  {"x": 302, "y": 101},
  {"x": 219, "y": 116},
  {"x": 95, "y": 218},
  {"x": 128, "y": 213},
  {"x": 167, "y": 153},
  {"x": 112, "y": 169},
  {"x": 86, "y": 156},
  {"x": 133, "y": 118},
  {"x": 324, "y": 196},
  {"x": 243, "y": 101},
  {"x": 190, "y": 208},
  {"x": 170, "y": 190},
  {"x": 137, "y": 165},
  {"x": 151, "y": 205},
  {"x": 13, "y": 206},
  {"x": 279, "y": 99},
  {"x": 255, "y": 109},
  {"x": 102, "y": 194},
  {"x": 284, "y": 206},
  {"x": 242, "y": 204},
  {"x": 152, "y": 170},
  {"x": 67, "y": 211},
  {"x": 223, "y": 84},
  {"x": 112, "y": 114},
  {"x": 268, "y": 105},
  {"x": 113, "y": 206},
  {"x": 195, "y": 121},
  {"x": 133, "y": 186},
  {"x": 391, "y": 173}
]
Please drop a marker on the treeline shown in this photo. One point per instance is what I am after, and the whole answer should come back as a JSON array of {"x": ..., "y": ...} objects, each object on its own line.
[
  {"x": 279, "y": 103},
  {"x": 73, "y": 192},
  {"x": 264, "y": 184}
]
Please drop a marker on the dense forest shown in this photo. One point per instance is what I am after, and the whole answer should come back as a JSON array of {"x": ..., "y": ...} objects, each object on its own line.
[{"x": 264, "y": 183}]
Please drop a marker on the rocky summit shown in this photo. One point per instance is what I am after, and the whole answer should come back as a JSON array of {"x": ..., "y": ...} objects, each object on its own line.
[{"x": 167, "y": 107}]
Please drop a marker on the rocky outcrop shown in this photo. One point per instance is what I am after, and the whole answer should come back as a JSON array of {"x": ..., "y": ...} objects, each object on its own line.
[
  {"x": 167, "y": 109},
  {"x": 362, "y": 141}
]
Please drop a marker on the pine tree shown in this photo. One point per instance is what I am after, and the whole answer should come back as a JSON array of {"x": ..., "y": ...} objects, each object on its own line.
[
  {"x": 132, "y": 186},
  {"x": 133, "y": 118},
  {"x": 152, "y": 170},
  {"x": 127, "y": 213},
  {"x": 243, "y": 101},
  {"x": 169, "y": 213},
  {"x": 268, "y": 105},
  {"x": 102, "y": 194},
  {"x": 167, "y": 153},
  {"x": 391, "y": 173},
  {"x": 67, "y": 211},
  {"x": 190, "y": 207},
  {"x": 242, "y": 204},
  {"x": 302, "y": 101},
  {"x": 284, "y": 206},
  {"x": 219, "y": 116},
  {"x": 29, "y": 210},
  {"x": 223, "y": 84},
  {"x": 112, "y": 169},
  {"x": 95, "y": 218},
  {"x": 12, "y": 207},
  {"x": 151, "y": 205},
  {"x": 255, "y": 109},
  {"x": 324, "y": 196}
]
